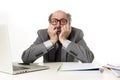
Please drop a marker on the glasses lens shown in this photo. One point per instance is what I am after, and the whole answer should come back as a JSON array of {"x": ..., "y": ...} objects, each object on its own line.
[
  {"x": 53, "y": 21},
  {"x": 63, "y": 21}
]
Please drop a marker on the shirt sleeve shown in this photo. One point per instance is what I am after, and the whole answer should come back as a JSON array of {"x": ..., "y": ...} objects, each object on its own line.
[
  {"x": 66, "y": 43},
  {"x": 48, "y": 44}
]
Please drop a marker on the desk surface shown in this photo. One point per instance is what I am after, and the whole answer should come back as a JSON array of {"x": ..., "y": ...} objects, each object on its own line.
[{"x": 53, "y": 74}]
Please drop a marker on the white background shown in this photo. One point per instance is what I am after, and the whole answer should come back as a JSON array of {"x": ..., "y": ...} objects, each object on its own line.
[{"x": 99, "y": 20}]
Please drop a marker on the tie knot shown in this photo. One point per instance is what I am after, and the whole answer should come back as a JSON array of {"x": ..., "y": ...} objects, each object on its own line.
[{"x": 59, "y": 43}]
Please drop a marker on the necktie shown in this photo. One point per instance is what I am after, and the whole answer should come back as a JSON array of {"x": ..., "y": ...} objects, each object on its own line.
[{"x": 58, "y": 52}]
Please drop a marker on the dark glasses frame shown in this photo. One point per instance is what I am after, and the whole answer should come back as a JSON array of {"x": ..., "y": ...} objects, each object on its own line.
[{"x": 62, "y": 21}]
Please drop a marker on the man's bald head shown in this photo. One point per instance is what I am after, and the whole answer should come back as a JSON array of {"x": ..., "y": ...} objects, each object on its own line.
[{"x": 59, "y": 14}]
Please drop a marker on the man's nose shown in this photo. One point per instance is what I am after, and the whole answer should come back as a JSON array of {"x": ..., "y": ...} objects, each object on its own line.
[{"x": 58, "y": 24}]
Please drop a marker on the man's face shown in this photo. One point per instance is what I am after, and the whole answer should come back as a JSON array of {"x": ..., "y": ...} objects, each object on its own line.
[{"x": 58, "y": 20}]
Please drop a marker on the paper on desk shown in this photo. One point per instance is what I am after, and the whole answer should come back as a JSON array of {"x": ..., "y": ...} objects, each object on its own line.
[
  {"x": 115, "y": 68},
  {"x": 116, "y": 72},
  {"x": 79, "y": 67}
]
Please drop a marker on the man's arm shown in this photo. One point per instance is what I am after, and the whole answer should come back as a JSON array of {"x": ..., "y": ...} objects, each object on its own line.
[
  {"x": 79, "y": 49},
  {"x": 33, "y": 53},
  {"x": 37, "y": 49}
]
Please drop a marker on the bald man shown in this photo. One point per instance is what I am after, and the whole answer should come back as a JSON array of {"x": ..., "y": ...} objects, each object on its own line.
[{"x": 59, "y": 43}]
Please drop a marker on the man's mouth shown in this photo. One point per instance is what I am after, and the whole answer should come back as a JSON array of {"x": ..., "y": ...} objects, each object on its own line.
[{"x": 58, "y": 30}]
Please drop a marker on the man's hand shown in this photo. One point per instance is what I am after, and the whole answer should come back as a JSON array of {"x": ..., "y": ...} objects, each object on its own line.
[
  {"x": 52, "y": 33},
  {"x": 65, "y": 32}
]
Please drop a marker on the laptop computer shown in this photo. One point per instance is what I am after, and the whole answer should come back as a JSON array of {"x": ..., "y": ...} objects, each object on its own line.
[{"x": 6, "y": 64}]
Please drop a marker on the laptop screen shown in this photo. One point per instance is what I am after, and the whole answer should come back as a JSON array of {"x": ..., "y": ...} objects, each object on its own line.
[{"x": 5, "y": 52}]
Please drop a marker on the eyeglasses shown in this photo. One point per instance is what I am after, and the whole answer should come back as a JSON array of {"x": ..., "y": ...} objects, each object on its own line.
[{"x": 62, "y": 21}]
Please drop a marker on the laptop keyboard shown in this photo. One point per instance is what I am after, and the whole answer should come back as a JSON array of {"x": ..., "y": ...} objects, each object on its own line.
[{"x": 15, "y": 68}]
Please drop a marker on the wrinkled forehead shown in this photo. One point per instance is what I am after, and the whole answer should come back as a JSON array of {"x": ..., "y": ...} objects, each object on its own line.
[{"x": 59, "y": 15}]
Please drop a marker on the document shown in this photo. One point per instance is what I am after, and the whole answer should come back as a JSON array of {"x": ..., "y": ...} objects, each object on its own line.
[
  {"x": 115, "y": 68},
  {"x": 79, "y": 67}
]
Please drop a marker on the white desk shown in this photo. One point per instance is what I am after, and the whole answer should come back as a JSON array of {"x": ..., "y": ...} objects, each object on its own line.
[{"x": 53, "y": 74}]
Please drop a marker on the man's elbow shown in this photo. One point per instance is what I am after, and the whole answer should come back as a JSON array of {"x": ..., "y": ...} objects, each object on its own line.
[
  {"x": 25, "y": 58},
  {"x": 91, "y": 58}
]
